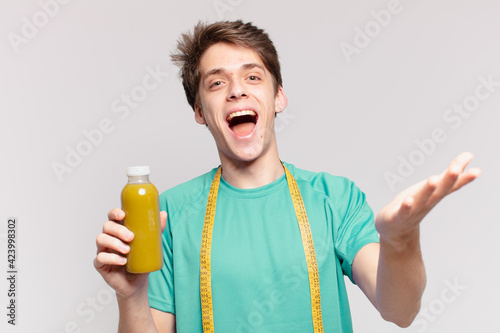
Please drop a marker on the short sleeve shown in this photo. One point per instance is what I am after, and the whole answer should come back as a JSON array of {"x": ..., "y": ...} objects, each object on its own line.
[
  {"x": 356, "y": 228},
  {"x": 161, "y": 282}
]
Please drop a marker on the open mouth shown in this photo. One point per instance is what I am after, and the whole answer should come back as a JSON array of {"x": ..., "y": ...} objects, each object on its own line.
[{"x": 242, "y": 122}]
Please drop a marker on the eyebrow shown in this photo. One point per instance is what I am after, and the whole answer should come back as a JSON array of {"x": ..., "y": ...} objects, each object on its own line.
[{"x": 243, "y": 67}]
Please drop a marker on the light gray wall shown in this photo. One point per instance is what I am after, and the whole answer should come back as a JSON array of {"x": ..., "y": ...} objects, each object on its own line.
[{"x": 357, "y": 107}]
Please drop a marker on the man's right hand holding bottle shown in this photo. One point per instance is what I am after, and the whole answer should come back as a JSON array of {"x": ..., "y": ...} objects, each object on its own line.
[{"x": 131, "y": 289}]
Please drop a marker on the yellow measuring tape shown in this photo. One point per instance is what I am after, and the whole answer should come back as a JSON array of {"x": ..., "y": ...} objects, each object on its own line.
[{"x": 307, "y": 242}]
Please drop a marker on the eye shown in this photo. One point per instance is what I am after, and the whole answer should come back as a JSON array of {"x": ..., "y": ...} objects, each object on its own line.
[
  {"x": 253, "y": 78},
  {"x": 216, "y": 84}
]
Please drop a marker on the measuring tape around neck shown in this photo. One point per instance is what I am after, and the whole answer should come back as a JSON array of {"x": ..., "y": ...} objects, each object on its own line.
[{"x": 307, "y": 242}]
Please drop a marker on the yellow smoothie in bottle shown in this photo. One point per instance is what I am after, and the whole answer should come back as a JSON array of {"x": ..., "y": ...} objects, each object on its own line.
[{"x": 142, "y": 217}]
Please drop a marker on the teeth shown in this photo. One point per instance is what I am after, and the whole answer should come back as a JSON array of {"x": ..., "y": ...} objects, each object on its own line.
[{"x": 241, "y": 113}]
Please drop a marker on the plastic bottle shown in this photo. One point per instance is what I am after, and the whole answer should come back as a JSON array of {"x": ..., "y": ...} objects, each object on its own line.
[{"x": 142, "y": 216}]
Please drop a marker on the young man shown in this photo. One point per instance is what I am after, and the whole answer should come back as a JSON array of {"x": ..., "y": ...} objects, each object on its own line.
[{"x": 262, "y": 264}]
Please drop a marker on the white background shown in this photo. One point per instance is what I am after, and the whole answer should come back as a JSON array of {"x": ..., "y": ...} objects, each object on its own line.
[{"x": 358, "y": 116}]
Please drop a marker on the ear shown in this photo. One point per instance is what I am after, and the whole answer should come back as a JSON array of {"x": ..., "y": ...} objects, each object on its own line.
[
  {"x": 198, "y": 115},
  {"x": 280, "y": 101}
]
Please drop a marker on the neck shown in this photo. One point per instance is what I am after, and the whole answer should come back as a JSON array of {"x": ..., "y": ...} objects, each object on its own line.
[{"x": 243, "y": 174}]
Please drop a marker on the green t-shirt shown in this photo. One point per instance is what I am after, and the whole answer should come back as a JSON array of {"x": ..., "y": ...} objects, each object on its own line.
[{"x": 259, "y": 273}]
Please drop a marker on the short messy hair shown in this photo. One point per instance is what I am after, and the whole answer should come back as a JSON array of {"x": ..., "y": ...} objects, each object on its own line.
[{"x": 191, "y": 46}]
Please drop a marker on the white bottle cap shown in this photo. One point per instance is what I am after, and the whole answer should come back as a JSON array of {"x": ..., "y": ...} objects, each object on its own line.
[{"x": 138, "y": 170}]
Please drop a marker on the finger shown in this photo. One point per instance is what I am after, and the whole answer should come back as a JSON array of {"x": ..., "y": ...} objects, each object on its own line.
[
  {"x": 404, "y": 209},
  {"x": 163, "y": 220},
  {"x": 451, "y": 175},
  {"x": 425, "y": 191},
  {"x": 107, "y": 243},
  {"x": 116, "y": 214},
  {"x": 466, "y": 178},
  {"x": 460, "y": 162},
  {"x": 117, "y": 230},
  {"x": 105, "y": 258},
  {"x": 463, "y": 159}
]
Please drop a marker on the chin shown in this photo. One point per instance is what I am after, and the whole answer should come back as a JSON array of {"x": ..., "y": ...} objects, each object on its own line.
[{"x": 245, "y": 156}]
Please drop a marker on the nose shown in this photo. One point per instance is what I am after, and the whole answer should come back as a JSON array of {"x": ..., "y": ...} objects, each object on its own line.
[{"x": 236, "y": 91}]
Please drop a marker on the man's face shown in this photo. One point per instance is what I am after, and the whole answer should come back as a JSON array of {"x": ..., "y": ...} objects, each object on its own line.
[{"x": 238, "y": 102}]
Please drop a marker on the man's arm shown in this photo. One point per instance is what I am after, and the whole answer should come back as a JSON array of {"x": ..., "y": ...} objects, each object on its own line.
[
  {"x": 392, "y": 274},
  {"x": 393, "y": 282},
  {"x": 164, "y": 321},
  {"x": 137, "y": 316},
  {"x": 131, "y": 289}
]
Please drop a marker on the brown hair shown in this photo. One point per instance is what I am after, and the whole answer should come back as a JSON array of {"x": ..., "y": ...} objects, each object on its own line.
[{"x": 191, "y": 46}]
